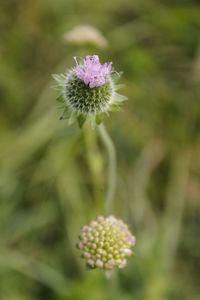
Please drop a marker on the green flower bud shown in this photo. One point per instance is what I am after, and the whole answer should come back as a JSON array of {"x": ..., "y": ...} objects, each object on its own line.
[{"x": 114, "y": 246}]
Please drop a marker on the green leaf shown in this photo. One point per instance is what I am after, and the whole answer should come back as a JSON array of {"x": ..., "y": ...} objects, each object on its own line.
[
  {"x": 88, "y": 268},
  {"x": 115, "y": 107},
  {"x": 57, "y": 87},
  {"x": 99, "y": 118},
  {"x": 59, "y": 78},
  {"x": 66, "y": 114},
  {"x": 60, "y": 99},
  {"x": 119, "y": 86},
  {"x": 72, "y": 117},
  {"x": 61, "y": 106},
  {"x": 81, "y": 120},
  {"x": 116, "y": 75},
  {"x": 120, "y": 98}
]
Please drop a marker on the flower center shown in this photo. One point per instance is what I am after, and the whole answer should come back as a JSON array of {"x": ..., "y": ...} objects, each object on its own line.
[{"x": 84, "y": 99}]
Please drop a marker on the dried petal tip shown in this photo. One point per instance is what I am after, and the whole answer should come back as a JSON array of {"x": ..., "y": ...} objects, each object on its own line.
[{"x": 106, "y": 242}]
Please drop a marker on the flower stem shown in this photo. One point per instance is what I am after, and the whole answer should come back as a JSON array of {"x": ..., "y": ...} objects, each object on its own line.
[
  {"x": 95, "y": 164},
  {"x": 109, "y": 145},
  {"x": 112, "y": 284}
]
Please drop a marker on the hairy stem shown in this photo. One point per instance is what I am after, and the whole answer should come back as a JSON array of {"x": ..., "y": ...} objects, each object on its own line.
[{"x": 111, "y": 187}]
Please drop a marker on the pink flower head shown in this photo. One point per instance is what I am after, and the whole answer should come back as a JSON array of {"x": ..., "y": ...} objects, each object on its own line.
[{"x": 92, "y": 72}]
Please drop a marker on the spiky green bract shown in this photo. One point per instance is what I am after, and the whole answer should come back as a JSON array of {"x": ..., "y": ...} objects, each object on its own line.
[
  {"x": 106, "y": 243},
  {"x": 82, "y": 103}
]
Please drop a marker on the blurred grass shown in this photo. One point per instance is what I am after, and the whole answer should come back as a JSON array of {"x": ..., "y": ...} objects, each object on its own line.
[{"x": 52, "y": 177}]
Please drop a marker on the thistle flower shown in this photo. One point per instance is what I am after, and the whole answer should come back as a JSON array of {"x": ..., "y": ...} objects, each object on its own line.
[
  {"x": 105, "y": 243},
  {"x": 88, "y": 91},
  {"x": 92, "y": 72}
]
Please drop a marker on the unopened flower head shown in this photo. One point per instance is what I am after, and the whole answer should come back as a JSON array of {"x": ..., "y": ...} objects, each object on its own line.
[
  {"x": 106, "y": 243},
  {"x": 85, "y": 34},
  {"x": 88, "y": 91}
]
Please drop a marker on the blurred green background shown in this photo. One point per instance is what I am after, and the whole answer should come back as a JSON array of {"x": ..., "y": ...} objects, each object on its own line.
[{"x": 53, "y": 177}]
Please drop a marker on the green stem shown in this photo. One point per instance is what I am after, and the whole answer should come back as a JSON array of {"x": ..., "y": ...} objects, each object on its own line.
[
  {"x": 112, "y": 284},
  {"x": 95, "y": 164},
  {"x": 109, "y": 145}
]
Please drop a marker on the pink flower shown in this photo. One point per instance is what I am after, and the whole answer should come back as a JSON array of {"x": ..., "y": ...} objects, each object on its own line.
[{"x": 92, "y": 72}]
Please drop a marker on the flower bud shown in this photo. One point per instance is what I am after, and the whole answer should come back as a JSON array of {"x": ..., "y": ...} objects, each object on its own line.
[
  {"x": 86, "y": 254},
  {"x": 91, "y": 262},
  {"x": 107, "y": 252},
  {"x": 99, "y": 263}
]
